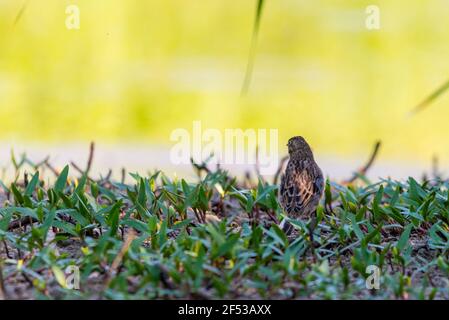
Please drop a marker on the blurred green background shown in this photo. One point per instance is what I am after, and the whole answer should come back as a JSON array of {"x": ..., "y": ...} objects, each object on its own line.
[{"x": 137, "y": 69}]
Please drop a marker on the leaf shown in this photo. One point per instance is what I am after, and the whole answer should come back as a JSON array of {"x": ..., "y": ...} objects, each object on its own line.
[
  {"x": 219, "y": 189},
  {"x": 395, "y": 196},
  {"x": 113, "y": 218},
  {"x": 344, "y": 202},
  {"x": 163, "y": 233},
  {"x": 249, "y": 204},
  {"x": 277, "y": 236},
  {"x": 136, "y": 224},
  {"x": 142, "y": 196},
  {"x": 78, "y": 217},
  {"x": 226, "y": 247},
  {"x": 415, "y": 190},
  {"x": 361, "y": 213},
  {"x": 358, "y": 232},
  {"x": 83, "y": 209},
  {"x": 94, "y": 190},
  {"x": 152, "y": 224},
  {"x": 371, "y": 235},
  {"x": 4, "y": 221},
  {"x": 81, "y": 184},
  {"x": 280, "y": 234},
  {"x": 262, "y": 191},
  {"x": 379, "y": 195},
  {"x": 416, "y": 216},
  {"x": 59, "y": 275},
  {"x": 17, "y": 195},
  {"x": 67, "y": 227},
  {"x": 182, "y": 224},
  {"x": 202, "y": 197},
  {"x": 48, "y": 222},
  {"x": 442, "y": 264},
  {"x": 327, "y": 193},
  {"x": 23, "y": 211},
  {"x": 66, "y": 200},
  {"x": 403, "y": 240},
  {"x": 32, "y": 184},
  {"x": 62, "y": 180}
]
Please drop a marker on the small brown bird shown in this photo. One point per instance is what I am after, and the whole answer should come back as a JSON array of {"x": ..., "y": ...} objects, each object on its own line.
[{"x": 302, "y": 183}]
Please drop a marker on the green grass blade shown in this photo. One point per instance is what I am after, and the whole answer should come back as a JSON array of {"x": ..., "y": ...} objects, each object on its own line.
[
  {"x": 252, "y": 52},
  {"x": 62, "y": 180},
  {"x": 20, "y": 13},
  {"x": 32, "y": 185}
]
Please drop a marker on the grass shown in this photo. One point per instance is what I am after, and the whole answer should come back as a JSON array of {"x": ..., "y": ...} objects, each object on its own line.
[
  {"x": 431, "y": 98},
  {"x": 217, "y": 238},
  {"x": 252, "y": 54}
]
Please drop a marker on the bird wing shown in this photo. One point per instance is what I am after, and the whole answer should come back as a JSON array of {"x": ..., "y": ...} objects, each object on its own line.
[{"x": 299, "y": 186}]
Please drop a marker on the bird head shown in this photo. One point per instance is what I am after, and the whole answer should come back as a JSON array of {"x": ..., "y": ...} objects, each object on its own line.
[{"x": 298, "y": 145}]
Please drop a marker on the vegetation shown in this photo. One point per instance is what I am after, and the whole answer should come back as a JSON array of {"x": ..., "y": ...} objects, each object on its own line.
[{"x": 217, "y": 237}]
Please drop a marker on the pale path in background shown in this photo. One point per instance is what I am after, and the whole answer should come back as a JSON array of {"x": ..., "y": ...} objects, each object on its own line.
[{"x": 144, "y": 158}]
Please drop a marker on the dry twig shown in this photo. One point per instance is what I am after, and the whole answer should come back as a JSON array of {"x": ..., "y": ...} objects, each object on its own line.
[
  {"x": 200, "y": 167},
  {"x": 77, "y": 168},
  {"x": 364, "y": 170},
  {"x": 257, "y": 166},
  {"x": 123, "y": 175},
  {"x": 91, "y": 157},
  {"x": 119, "y": 258},
  {"x": 279, "y": 170},
  {"x": 50, "y": 166}
]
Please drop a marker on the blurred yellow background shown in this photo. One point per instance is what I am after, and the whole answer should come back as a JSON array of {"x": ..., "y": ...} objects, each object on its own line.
[{"x": 137, "y": 69}]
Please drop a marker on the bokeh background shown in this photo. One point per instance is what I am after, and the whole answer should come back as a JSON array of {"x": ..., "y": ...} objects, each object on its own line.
[{"x": 136, "y": 70}]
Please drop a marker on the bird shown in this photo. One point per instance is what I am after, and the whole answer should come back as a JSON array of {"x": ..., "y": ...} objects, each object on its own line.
[{"x": 301, "y": 185}]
